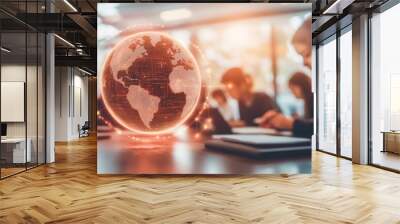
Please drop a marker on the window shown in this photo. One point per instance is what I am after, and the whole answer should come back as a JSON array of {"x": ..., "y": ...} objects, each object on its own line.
[
  {"x": 346, "y": 93},
  {"x": 385, "y": 89},
  {"x": 327, "y": 96}
]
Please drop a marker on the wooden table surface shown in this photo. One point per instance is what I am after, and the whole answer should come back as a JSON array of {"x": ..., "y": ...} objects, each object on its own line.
[{"x": 121, "y": 155}]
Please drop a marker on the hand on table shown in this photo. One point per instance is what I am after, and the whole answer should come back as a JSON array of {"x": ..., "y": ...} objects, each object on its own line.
[
  {"x": 276, "y": 120},
  {"x": 236, "y": 123}
]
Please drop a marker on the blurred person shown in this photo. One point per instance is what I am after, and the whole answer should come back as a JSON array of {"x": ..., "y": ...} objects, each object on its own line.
[
  {"x": 300, "y": 86},
  {"x": 239, "y": 86},
  {"x": 274, "y": 119},
  {"x": 302, "y": 42},
  {"x": 222, "y": 104}
]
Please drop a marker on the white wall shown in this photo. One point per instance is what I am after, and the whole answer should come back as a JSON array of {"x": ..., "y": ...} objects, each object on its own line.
[
  {"x": 61, "y": 103},
  {"x": 79, "y": 112},
  {"x": 16, "y": 73},
  {"x": 71, "y": 94}
]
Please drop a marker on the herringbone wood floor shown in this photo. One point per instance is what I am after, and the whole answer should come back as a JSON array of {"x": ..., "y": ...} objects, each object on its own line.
[{"x": 69, "y": 191}]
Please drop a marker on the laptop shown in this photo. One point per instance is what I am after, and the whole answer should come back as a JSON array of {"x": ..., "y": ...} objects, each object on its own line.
[
  {"x": 259, "y": 145},
  {"x": 221, "y": 126},
  {"x": 265, "y": 141}
]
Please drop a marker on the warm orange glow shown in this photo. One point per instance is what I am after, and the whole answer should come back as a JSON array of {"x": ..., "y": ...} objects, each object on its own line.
[{"x": 125, "y": 124}]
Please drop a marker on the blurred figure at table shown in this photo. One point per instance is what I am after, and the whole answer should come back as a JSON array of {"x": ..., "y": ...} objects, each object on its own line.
[
  {"x": 302, "y": 43},
  {"x": 239, "y": 86},
  {"x": 222, "y": 104},
  {"x": 300, "y": 86},
  {"x": 302, "y": 127}
]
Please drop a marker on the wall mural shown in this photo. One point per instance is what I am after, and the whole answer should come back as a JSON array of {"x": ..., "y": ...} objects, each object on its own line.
[{"x": 221, "y": 88}]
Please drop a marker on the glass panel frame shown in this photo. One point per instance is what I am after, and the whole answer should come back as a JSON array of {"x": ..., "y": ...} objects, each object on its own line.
[
  {"x": 13, "y": 73},
  {"x": 26, "y": 57},
  {"x": 384, "y": 69},
  {"x": 340, "y": 129}
]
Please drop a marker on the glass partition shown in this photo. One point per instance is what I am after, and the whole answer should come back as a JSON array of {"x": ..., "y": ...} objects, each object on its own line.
[
  {"x": 31, "y": 97},
  {"x": 13, "y": 105},
  {"x": 22, "y": 88},
  {"x": 41, "y": 96}
]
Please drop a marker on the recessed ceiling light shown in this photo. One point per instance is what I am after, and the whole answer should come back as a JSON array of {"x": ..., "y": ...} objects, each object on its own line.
[
  {"x": 337, "y": 7},
  {"x": 70, "y": 5},
  {"x": 84, "y": 71},
  {"x": 5, "y": 50},
  {"x": 64, "y": 40}
]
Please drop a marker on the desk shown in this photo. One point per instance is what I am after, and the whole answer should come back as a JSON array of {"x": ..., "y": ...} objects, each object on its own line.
[
  {"x": 118, "y": 154},
  {"x": 391, "y": 141},
  {"x": 13, "y": 150}
]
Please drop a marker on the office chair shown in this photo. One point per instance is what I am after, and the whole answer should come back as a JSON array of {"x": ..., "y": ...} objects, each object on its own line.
[{"x": 84, "y": 130}]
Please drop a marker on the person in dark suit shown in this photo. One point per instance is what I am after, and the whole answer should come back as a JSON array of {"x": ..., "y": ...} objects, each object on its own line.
[
  {"x": 302, "y": 127},
  {"x": 300, "y": 86},
  {"x": 239, "y": 86}
]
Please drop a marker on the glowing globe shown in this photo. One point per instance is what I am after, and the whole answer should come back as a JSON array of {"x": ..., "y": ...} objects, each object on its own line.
[{"x": 150, "y": 83}]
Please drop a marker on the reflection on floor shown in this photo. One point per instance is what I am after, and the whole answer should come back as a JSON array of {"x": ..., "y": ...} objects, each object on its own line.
[
  {"x": 346, "y": 152},
  {"x": 11, "y": 169},
  {"x": 70, "y": 191},
  {"x": 386, "y": 159}
]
